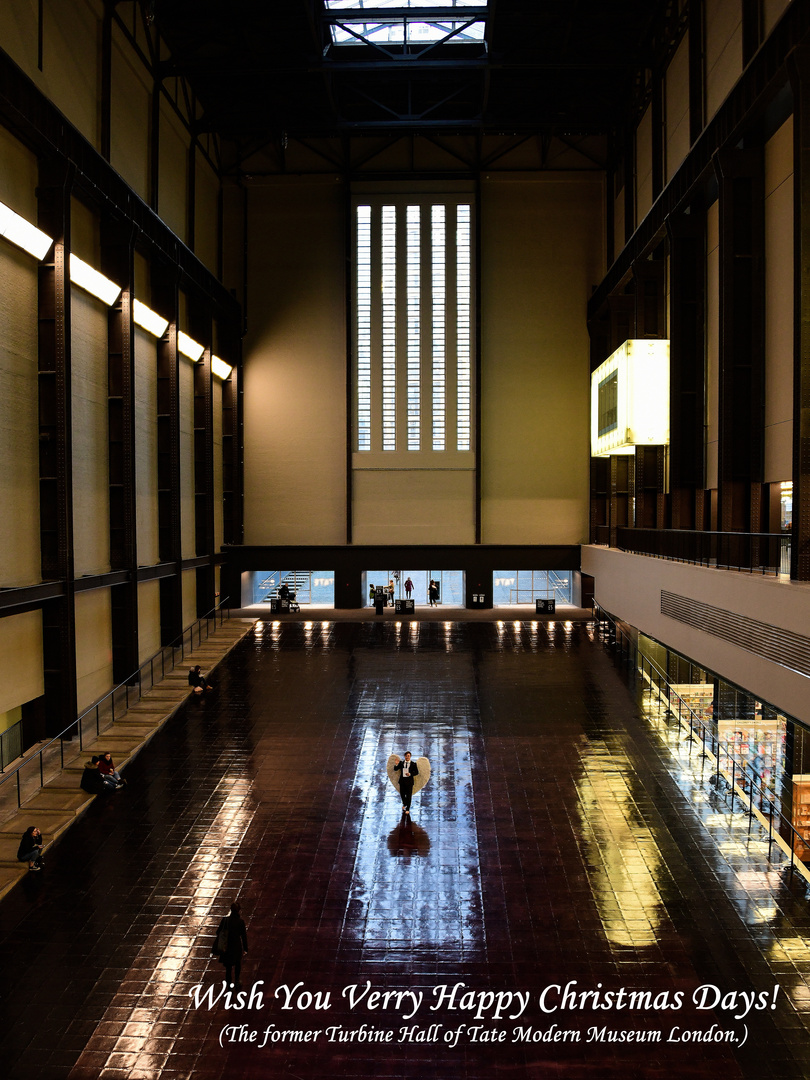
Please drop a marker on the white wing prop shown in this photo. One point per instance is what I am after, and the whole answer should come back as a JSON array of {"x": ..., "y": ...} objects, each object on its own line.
[{"x": 419, "y": 781}]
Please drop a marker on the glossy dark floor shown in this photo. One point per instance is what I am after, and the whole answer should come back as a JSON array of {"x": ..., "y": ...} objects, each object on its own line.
[{"x": 562, "y": 847}]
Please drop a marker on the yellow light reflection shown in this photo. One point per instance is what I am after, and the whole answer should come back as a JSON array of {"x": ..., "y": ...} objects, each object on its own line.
[
  {"x": 624, "y": 862},
  {"x": 172, "y": 950}
]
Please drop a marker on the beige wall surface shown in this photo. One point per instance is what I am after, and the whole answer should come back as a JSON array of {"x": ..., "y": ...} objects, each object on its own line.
[
  {"x": 542, "y": 252},
  {"x": 19, "y": 420},
  {"x": 148, "y": 619},
  {"x": 644, "y": 188},
  {"x": 218, "y": 516},
  {"x": 618, "y": 225},
  {"x": 173, "y": 182},
  {"x": 187, "y": 479},
  {"x": 414, "y": 506},
  {"x": 21, "y": 666},
  {"x": 779, "y": 305},
  {"x": 712, "y": 342},
  {"x": 723, "y": 51},
  {"x": 206, "y": 214},
  {"x": 295, "y": 365},
  {"x": 94, "y": 672},
  {"x": 676, "y": 104},
  {"x": 629, "y": 587},
  {"x": 772, "y": 13},
  {"x": 91, "y": 490},
  {"x": 130, "y": 104},
  {"x": 189, "y": 597},
  {"x": 146, "y": 448}
]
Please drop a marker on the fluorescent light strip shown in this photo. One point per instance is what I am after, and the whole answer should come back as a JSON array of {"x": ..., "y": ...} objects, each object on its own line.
[
  {"x": 148, "y": 319},
  {"x": 189, "y": 347},
  {"x": 92, "y": 281},
  {"x": 220, "y": 368},
  {"x": 23, "y": 234}
]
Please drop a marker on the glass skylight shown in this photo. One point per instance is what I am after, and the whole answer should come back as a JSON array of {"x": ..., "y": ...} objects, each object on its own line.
[{"x": 405, "y": 30}]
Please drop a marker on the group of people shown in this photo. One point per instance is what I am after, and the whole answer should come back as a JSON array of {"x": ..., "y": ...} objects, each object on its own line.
[
  {"x": 408, "y": 586},
  {"x": 100, "y": 776}
]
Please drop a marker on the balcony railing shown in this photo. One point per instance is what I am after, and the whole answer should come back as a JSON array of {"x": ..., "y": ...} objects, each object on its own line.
[
  {"x": 730, "y": 777},
  {"x": 759, "y": 553},
  {"x": 23, "y": 780}
]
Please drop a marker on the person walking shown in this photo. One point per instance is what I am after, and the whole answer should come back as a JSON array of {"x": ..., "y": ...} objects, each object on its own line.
[
  {"x": 231, "y": 943},
  {"x": 407, "y": 770},
  {"x": 408, "y": 588}
]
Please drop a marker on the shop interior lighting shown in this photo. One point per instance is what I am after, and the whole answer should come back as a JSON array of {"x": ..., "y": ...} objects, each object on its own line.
[
  {"x": 630, "y": 398},
  {"x": 148, "y": 319},
  {"x": 189, "y": 347},
  {"x": 22, "y": 233},
  {"x": 92, "y": 281},
  {"x": 219, "y": 367}
]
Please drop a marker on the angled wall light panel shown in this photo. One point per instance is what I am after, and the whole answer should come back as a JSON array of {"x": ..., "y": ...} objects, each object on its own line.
[
  {"x": 92, "y": 281},
  {"x": 189, "y": 347},
  {"x": 149, "y": 320},
  {"x": 220, "y": 368},
  {"x": 630, "y": 399},
  {"x": 23, "y": 234}
]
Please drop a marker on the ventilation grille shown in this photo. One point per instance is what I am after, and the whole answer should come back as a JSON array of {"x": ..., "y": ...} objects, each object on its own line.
[{"x": 782, "y": 647}]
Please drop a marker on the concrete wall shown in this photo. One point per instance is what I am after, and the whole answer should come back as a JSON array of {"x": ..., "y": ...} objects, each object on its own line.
[
  {"x": 779, "y": 305},
  {"x": 541, "y": 254},
  {"x": 676, "y": 108},
  {"x": 21, "y": 677},
  {"x": 542, "y": 251},
  {"x": 629, "y": 587},
  {"x": 722, "y": 50},
  {"x": 644, "y": 185},
  {"x": 295, "y": 365},
  {"x": 94, "y": 671}
]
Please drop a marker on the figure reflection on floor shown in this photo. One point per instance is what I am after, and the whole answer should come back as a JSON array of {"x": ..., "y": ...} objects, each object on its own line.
[{"x": 408, "y": 839}]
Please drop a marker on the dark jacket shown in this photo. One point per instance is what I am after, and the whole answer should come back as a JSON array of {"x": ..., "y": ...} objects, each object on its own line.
[
  {"x": 237, "y": 938},
  {"x": 92, "y": 781},
  {"x": 413, "y": 769},
  {"x": 28, "y": 844}
]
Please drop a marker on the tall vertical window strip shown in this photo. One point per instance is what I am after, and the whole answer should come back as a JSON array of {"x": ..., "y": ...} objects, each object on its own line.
[
  {"x": 414, "y": 288},
  {"x": 363, "y": 327},
  {"x": 415, "y": 348},
  {"x": 439, "y": 304},
  {"x": 463, "y": 328},
  {"x": 389, "y": 328}
]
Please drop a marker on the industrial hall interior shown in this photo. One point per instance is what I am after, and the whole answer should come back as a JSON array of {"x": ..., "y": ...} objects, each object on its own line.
[{"x": 404, "y": 539}]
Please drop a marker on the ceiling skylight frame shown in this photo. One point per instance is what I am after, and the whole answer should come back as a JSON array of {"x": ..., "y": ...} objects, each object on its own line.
[{"x": 446, "y": 22}]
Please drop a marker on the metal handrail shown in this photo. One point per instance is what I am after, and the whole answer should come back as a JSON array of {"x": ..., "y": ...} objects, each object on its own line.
[
  {"x": 135, "y": 679},
  {"x": 745, "y": 789},
  {"x": 766, "y": 553}
]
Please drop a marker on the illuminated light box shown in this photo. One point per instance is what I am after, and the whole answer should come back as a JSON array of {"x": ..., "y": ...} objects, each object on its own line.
[
  {"x": 220, "y": 368},
  {"x": 189, "y": 347},
  {"x": 149, "y": 320},
  {"x": 23, "y": 234},
  {"x": 630, "y": 399},
  {"x": 83, "y": 275}
]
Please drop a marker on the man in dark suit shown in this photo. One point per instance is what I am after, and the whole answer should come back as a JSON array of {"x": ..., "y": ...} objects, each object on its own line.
[{"x": 407, "y": 770}]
